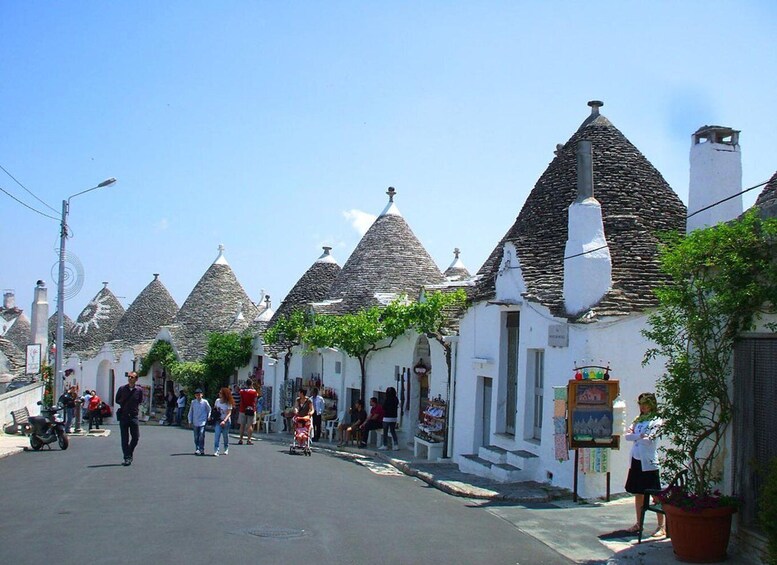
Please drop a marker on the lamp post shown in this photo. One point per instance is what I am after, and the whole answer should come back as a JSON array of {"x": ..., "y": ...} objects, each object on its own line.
[{"x": 59, "y": 353}]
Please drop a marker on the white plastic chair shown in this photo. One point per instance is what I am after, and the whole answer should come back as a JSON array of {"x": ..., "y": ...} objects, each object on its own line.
[
  {"x": 330, "y": 429},
  {"x": 268, "y": 420}
]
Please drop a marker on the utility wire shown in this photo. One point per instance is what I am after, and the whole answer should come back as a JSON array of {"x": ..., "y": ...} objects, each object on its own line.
[
  {"x": 726, "y": 199},
  {"x": 28, "y": 191},
  {"x": 686, "y": 217},
  {"x": 27, "y": 206}
]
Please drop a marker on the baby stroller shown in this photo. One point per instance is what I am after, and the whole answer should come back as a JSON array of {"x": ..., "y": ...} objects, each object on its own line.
[{"x": 302, "y": 430}]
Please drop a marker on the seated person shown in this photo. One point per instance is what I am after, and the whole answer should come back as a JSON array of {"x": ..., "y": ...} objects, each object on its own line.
[
  {"x": 374, "y": 422},
  {"x": 345, "y": 430}
]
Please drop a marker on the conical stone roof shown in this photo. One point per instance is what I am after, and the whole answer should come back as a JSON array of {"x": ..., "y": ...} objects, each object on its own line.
[
  {"x": 20, "y": 332},
  {"x": 637, "y": 205},
  {"x": 14, "y": 356},
  {"x": 456, "y": 271},
  {"x": 767, "y": 200},
  {"x": 217, "y": 303},
  {"x": 67, "y": 323},
  {"x": 313, "y": 286},
  {"x": 153, "y": 308},
  {"x": 96, "y": 322},
  {"x": 388, "y": 261}
]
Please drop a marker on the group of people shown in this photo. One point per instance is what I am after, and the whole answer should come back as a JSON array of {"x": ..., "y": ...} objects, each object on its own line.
[
  {"x": 383, "y": 417},
  {"x": 92, "y": 407},
  {"x": 248, "y": 406},
  {"x": 174, "y": 407}
]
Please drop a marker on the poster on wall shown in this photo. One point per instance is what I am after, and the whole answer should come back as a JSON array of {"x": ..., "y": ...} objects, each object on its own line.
[
  {"x": 32, "y": 365},
  {"x": 590, "y": 413}
]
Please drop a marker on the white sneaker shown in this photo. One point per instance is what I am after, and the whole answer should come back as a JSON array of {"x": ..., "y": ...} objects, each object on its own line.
[
  {"x": 197, "y": 452},
  {"x": 226, "y": 451},
  {"x": 216, "y": 453},
  {"x": 383, "y": 448}
]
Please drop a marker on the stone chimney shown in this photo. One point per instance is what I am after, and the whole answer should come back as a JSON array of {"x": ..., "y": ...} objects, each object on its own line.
[
  {"x": 9, "y": 300},
  {"x": 716, "y": 173},
  {"x": 40, "y": 318},
  {"x": 587, "y": 261}
]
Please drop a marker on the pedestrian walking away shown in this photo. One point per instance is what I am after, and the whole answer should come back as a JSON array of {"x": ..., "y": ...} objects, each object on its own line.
[
  {"x": 247, "y": 410},
  {"x": 199, "y": 410},
  {"x": 181, "y": 404},
  {"x": 390, "y": 411},
  {"x": 129, "y": 398},
  {"x": 318, "y": 410},
  {"x": 68, "y": 402},
  {"x": 224, "y": 404},
  {"x": 171, "y": 403}
]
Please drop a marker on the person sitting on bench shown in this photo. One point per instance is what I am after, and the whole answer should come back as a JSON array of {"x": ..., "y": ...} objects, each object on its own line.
[
  {"x": 374, "y": 422},
  {"x": 345, "y": 431}
]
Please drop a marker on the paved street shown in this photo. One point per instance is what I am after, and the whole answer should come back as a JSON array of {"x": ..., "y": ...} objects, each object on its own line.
[{"x": 259, "y": 504}]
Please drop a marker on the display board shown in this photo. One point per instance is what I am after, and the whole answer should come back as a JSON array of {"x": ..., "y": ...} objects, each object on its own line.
[{"x": 590, "y": 413}]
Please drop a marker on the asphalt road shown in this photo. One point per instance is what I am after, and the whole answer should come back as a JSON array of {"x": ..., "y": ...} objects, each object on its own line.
[{"x": 259, "y": 504}]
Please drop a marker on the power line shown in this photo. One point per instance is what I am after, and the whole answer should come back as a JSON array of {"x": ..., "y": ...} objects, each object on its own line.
[
  {"x": 25, "y": 188},
  {"x": 686, "y": 217},
  {"x": 726, "y": 199},
  {"x": 28, "y": 206}
]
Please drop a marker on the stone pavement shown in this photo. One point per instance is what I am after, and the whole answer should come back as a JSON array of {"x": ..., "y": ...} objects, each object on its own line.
[{"x": 587, "y": 532}]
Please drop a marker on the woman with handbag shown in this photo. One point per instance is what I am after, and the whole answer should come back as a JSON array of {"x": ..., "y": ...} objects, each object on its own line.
[{"x": 223, "y": 405}]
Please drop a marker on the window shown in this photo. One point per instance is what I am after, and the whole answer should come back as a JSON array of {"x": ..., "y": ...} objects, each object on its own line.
[
  {"x": 338, "y": 367},
  {"x": 535, "y": 387}
]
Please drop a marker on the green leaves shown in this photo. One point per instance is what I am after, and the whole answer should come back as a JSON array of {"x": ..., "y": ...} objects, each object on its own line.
[{"x": 722, "y": 279}]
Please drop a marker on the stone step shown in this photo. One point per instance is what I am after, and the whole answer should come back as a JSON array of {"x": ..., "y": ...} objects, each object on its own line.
[
  {"x": 506, "y": 473},
  {"x": 493, "y": 453},
  {"x": 522, "y": 459},
  {"x": 474, "y": 465},
  {"x": 500, "y": 472}
]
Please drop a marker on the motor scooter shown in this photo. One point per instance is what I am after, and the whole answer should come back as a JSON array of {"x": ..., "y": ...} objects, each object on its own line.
[{"x": 48, "y": 428}]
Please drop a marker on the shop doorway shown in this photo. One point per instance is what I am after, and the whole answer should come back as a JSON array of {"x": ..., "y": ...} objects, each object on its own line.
[{"x": 486, "y": 415}]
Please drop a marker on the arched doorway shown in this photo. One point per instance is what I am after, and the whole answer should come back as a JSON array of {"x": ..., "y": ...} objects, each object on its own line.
[
  {"x": 420, "y": 384},
  {"x": 105, "y": 384}
]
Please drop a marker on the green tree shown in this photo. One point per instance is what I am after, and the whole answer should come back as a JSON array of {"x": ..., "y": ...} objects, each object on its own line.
[
  {"x": 161, "y": 352},
  {"x": 361, "y": 333},
  {"x": 226, "y": 353},
  {"x": 288, "y": 332},
  {"x": 721, "y": 280}
]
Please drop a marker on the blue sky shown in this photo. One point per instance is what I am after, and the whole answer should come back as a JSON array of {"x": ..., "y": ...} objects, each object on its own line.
[{"x": 275, "y": 127}]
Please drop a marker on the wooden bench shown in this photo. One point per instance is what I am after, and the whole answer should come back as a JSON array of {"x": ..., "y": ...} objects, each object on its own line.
[{"x": 21, "y": 420}]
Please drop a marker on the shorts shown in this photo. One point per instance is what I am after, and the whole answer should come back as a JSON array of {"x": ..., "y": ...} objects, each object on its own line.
[{"x": 244, "y": 420}]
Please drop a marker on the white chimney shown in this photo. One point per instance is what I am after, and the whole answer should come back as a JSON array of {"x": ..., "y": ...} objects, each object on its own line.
[
  {"x": 40, "y": 317},
  {"x": 9, "y": 300},
  {"x": 587, "y": 263},
  {"x": 716, "y": 174}
]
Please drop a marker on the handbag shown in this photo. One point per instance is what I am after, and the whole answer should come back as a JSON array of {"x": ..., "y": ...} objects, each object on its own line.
[
  {"x": 215, "y": 415},
  {"x": 250, "y": 411}
]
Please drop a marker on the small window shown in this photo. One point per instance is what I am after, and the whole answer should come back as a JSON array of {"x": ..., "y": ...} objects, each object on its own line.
[{"x": 338, "y": 367}]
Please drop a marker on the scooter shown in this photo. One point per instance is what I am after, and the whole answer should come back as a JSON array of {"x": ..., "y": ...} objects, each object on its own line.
[{"x": 48, "y": 428}]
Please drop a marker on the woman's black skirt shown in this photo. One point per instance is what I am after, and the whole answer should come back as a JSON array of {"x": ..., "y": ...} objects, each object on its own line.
[{"x": 639, "y": 480}]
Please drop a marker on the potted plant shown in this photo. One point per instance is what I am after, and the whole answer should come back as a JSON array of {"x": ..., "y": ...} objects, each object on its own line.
[{"x": 719, "y": 281}]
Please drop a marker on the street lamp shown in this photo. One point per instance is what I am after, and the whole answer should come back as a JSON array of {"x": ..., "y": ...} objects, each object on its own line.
[{"x": 59, "y": 353}]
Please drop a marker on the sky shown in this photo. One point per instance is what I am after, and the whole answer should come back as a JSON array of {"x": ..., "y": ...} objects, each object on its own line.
[{"x": 275, "y": 128}]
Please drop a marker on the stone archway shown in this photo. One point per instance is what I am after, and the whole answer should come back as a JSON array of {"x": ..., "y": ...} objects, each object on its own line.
[
  {"x": 104, "y": 383},
  {"x": 420, "y": 386}
]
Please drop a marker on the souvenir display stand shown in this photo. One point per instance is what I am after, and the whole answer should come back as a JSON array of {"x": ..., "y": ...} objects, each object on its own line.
[
  {"x": 590, "y": 397},
  {"x": 430, "y": 435}
]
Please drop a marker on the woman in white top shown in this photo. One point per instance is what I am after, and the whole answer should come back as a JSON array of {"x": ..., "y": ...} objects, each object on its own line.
[
  {"x": 224, "y": 404},
  {"x": 643, "y": 473}
]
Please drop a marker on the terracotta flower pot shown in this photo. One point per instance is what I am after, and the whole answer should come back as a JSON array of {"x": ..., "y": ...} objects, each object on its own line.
[{"x": 699, "y": 537}]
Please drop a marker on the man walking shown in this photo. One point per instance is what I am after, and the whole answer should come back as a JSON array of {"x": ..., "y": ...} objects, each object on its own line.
[
  {"x": 129, "y": 397},
  {"x": 248, "y": 396},
  {"x": 199, "y": 410},
  {"x": 318, "y": 410}
]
